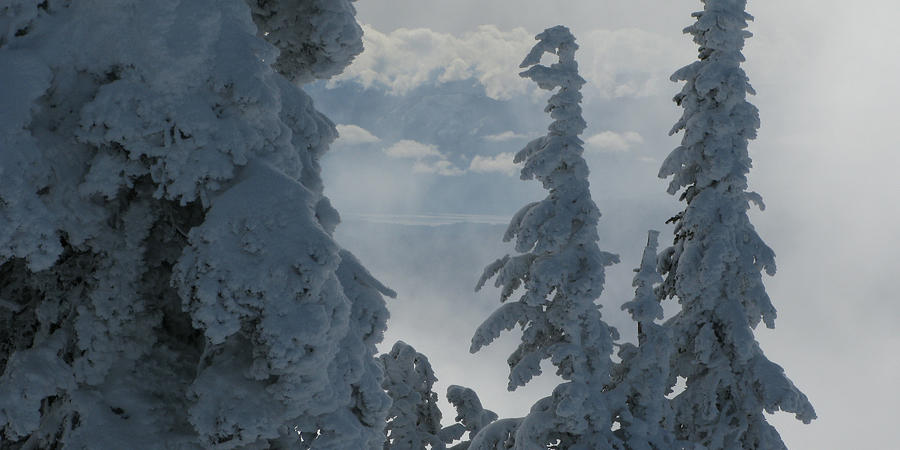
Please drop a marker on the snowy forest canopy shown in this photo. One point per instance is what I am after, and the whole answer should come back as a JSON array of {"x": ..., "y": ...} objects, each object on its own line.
[{"x": 170, "y": 276}]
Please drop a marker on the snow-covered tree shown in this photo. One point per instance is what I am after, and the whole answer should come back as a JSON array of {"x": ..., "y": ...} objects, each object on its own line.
[
  {"x": 714, "y": 267},
  {"x": 498, "y": 435},
  {"x": 642, "y": 376},
  {"x": 168, "y": 277},
  {"x": 313, "y": 37},
  {"x": 471, "y": 416},
  {"x": 414, "y": 420},
  {"x": 561, "y": 269}
]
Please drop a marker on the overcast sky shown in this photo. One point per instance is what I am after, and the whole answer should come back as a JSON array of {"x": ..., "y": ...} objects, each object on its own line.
[{"x": 431, "y": 113}]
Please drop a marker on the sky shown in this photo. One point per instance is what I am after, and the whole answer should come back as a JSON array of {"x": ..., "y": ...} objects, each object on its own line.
[{"x": 431, "y": 113}]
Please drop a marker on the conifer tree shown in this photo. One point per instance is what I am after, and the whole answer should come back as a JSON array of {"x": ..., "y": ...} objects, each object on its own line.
[
  {"x": 471, "y": 417},
  {"x": 414, "y": 419},
  {"x": 714, "y": 266},
  {"x": 167, "y": 270},
  {"x": 642, "y": 377},
  {"x": 561, "y": 269}
]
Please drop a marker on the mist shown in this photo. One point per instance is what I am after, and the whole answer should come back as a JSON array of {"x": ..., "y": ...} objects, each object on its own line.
[{"x": 825, "y": 76}]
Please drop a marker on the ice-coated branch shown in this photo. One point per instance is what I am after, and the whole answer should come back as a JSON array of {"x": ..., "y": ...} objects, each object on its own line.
[
  {"x": 168, "y": 274},
  {"x": 641, "y": 378},
  {"x": 558, "y": 275},
  {"x": 414, "y": 419},
  {"x": 471, "y": 417},
  {"x": 316, "y": 38},
  {"x": 714, "y": 265}
]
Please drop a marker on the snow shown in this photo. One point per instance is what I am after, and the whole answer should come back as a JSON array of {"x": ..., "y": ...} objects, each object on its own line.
[
  {"x": 414, "y": 420},
  {"x": 561, "y": 269},
  {"x": 642, "y": 377},
  {"x": 167, "y": 265},
  {"x": 316, "y": 38},
  {"x": 169, "y": 276},
  {"x": 714, "y": 267}
]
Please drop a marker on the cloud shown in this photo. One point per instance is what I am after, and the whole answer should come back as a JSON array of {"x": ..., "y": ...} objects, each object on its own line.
[
  {"x": 630, "y": 62},
  {"x": 407, "y": 58},
  {"x": 355, "y": 135},
  {"x": 409, "y": 149},
  {"x": 505, "y": 136},
  {"x": 617, "y": 63},
  {"x": 439, "y": 167},
  {"x": 610, "y": 141},
  {"x": 428, "y": 158},
  {"x": 502, "y": 163}
]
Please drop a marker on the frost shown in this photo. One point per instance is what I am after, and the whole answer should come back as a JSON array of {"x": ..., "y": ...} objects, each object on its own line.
[
  {"x": 316, "y": 38},
  {"x": 714, "y": 267},
  {"x": 168, "y": 277},
  {"x": 471, "y": 417},
  {"x": 642, "y": 378},
  {"x": 561, "y": 271},
  {"x": 414, "y": 420}
]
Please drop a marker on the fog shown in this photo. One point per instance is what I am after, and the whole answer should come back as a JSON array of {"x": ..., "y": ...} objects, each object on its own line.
[{"x": 825, "y": 73}]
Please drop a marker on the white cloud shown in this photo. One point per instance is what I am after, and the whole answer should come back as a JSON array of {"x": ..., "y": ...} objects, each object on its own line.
[
  {"x": 409, "y": 149},
  {"x": 428, "y": 159},
  {"x": 610, "y": 141},
  {"x": 502, "y": 163},
  {"x": 617, "y": 63},
  {"x": 355, "y": 135},
  {"x": 505, "y": 136},
  {"x": 630, "y": 62},
  {"x": 439, "y": 167},
  {"x": 407, "y": 58}
]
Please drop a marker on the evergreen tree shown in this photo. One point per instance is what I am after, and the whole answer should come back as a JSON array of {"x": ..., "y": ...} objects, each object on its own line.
[
  {"x": 714, "y": 267},
  {"x": 471, "y": 417},
  {"x": 167, "y": 269},
  {"x": 498, "y": 435},
  {"x": 414, "y": 420},
  {"x": 642, "y": 377},
  {"x": 561, "y": 269}
]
